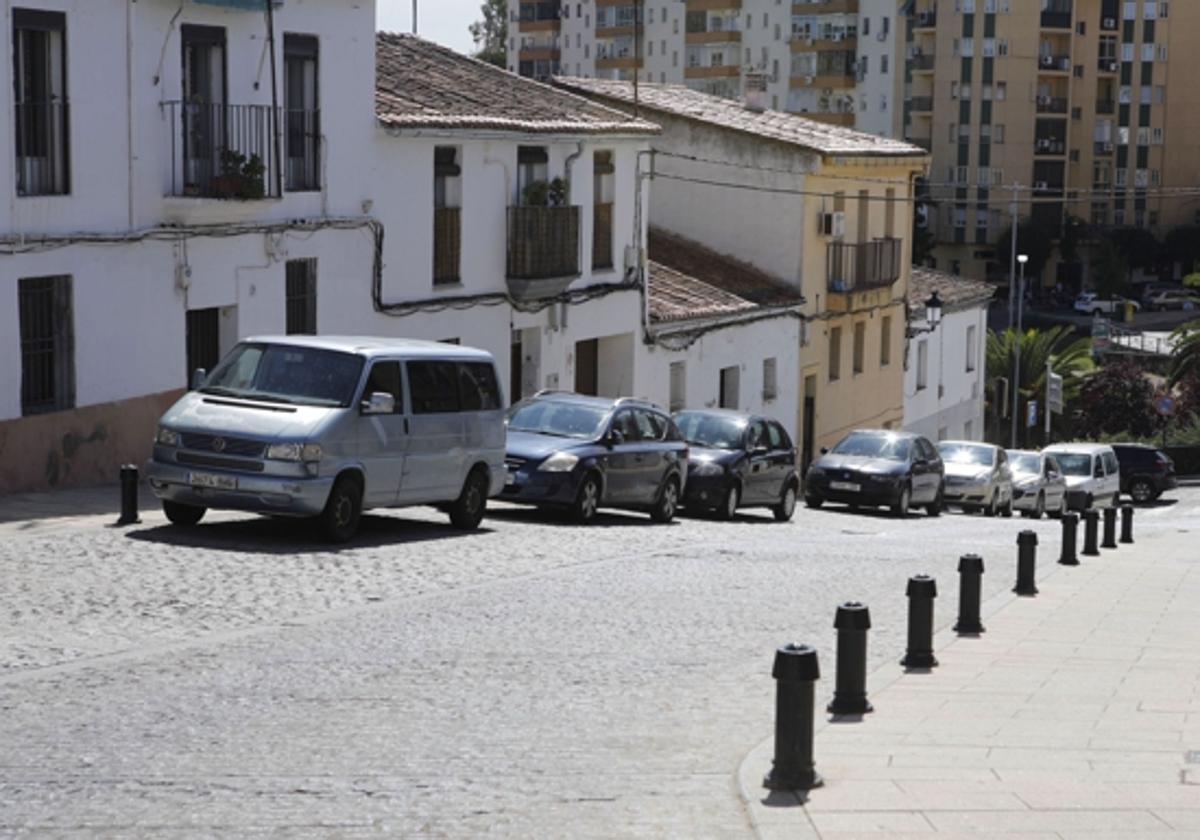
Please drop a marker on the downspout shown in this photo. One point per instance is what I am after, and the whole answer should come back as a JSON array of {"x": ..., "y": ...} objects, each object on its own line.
[
  {"x": 277, "y": 140},
  {"x": 567, "y": 167},
  {"x": 641, "y": 241},
  {"x": 129, "y": 105}
]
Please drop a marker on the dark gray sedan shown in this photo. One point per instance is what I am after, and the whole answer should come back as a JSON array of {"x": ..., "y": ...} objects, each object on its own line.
[{"x": 878, "y": 468}]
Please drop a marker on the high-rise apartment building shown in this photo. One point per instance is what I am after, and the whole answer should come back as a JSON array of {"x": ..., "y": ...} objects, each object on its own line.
[
  {"x": 832, "y": 60},
  {"x": 1074, "y": 100}
]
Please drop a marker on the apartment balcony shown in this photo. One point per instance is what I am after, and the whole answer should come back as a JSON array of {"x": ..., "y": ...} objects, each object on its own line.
[
  {"x": 718, "y": 71},
  {"x": 1108, "y": 66},
  {"x": 923, "y": 63},
  {"x": 543, "y": 251},
  {"x": 926, "y": 19},
  {"x": 1051, "y": 105},
  {"x": 1056, "y": 19},
  {"x": 712, "y": 5},
  {"x": 1103, "y": 148},
  {"x": 1054, "y": 64},
  {"x": 860, "y": 267},
  {"x": 921, "y": 105},
  {"x": 1105, "y": 106},
  {"x": 539, "y": 17},
  {"x": 232, "y": 151},
  {"x": 825, "y": 7},
  {"x": 447, "y": 245},
  {"x": 539, "y": 53},
  {"x": 617, "y": 62},
  {"x": 1049, "y": 147},
  {"x": 716, "y": 36}
]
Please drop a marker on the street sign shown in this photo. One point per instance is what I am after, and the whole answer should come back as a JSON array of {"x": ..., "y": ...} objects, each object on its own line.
[
  {"x": 1054, "y": 393},
  {"x": 1101, "y": 335},
  {"x": 1165, "y": 405},
  {"x": 1031, "y": 413}
]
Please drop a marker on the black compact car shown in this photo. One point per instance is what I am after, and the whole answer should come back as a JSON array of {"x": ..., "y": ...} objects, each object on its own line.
[
  {"x": 737, "y": 461},
  {"x": 1146, "y": 472},
  {"x": 581, "y": 453},
  {"x": 879, "y": 468}
]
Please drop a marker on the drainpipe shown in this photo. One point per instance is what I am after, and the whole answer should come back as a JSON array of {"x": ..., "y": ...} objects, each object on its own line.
[
  {"x": 571, "y": 158},
  {"x": 277, "y": 140},
  {"x": 129, "y": 105}
]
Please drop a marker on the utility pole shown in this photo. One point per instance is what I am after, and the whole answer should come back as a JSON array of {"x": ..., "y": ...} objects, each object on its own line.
[
  {"x": 637, "y": 54},
  {"x": 414, "y": 17},
  {"x": 1016, "y": 379}
]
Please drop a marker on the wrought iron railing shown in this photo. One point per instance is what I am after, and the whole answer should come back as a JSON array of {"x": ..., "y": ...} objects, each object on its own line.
[
  {"x": 856, "y": 267},
  {"x": 447, "y": 244},
  {"x": 224, "y": 151},
  {"x": 42, "y": 153},
  {"x": 543, "y": 242}
]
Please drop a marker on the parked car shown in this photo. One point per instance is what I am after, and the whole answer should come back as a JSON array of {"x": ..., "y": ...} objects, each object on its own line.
[
  {"x": 878, "y": 468},
  {"x": 1039, "y": 485},
  {"x": 579, "y": 454},
  {"x": 1092, "y": 472},
  {"x": 1149, "y": 290},
  {"x": 1093, "y": 304},
  {"x": 977, "y": 476},
  {"x": 330, "y": 427},
  {"x": 1173, "y": 299},
  {"x": 1146, "y": 472},
  {"x": 736, "y": 461}
]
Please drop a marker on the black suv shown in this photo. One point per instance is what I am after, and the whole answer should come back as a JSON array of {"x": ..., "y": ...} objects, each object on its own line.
[
  {"x": 582, "y": 453},
  {"x": 1145, "y": 471}
]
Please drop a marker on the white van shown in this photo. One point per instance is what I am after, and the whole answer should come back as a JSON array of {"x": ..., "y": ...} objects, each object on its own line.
[
  {"x": 329, "y": 427},
  {"x": 1092, "y": 472}
]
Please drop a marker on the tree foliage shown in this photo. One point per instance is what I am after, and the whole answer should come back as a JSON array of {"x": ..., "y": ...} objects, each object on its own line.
[
  {"x": 1032, "y": 240},
  {"x": 1137, "y": 246},
  {"x": 491, "y": 33},
  {"x": 1118, "y": 399},
  {"x": 1185, "y": 357},
  {"x": 1110, "y": 271},
  {"x": 1067, "y": 355}
]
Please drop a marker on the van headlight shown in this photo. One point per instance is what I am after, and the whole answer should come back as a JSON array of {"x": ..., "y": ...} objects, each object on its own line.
[
  {"x": 306, "y": 452},
  {"x": 166, "y": 437},
  {"x": 559, "y": 462}
]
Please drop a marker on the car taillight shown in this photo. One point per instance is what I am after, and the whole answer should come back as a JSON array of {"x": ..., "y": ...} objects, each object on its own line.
[{"x": 1162, "y": 462}]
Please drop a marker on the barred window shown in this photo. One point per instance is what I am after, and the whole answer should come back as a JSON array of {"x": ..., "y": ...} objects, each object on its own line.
[
  {"x": 302, "y": 297},
  {"x": 47, "y": 344}
]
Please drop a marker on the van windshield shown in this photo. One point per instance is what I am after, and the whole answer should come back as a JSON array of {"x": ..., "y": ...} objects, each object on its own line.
[
  {"x": 1075, "y": 464},
  {"x": 282, "y": 373}
]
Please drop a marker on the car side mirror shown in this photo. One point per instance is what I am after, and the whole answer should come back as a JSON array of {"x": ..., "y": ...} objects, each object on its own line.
[
  {"x": 824, "y": 450},
  {"x": 379, "y": 402},
  {"x": 198, "y": 377},
  {"x": 616, "y": 437}
]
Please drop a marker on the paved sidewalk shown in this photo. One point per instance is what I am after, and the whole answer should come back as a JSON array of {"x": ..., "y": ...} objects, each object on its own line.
[{"x": 1075, "y": 715}]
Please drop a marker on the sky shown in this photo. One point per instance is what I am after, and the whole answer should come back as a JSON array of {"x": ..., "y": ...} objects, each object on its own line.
[{"x": 444, "y": 21}]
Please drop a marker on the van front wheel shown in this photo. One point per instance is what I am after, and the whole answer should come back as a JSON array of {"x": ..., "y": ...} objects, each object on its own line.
[
  {"x": 183, "y": 515},
  {"x": 467, "y": 511},
  {"x": 343, "y": 510}
]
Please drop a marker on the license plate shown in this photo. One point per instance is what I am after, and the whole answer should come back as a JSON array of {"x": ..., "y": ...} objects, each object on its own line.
[
  {"x": 217, "y": 482},
  {"x": 510, "y": 479},
  {"x": 846, "y": 486}
]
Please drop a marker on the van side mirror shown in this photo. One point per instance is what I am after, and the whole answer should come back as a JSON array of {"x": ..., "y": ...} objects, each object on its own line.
[
  {"x": 198, "y": 377},
  {"x": 1099, "y": 471},
  {"x": 379, "y": 402}
]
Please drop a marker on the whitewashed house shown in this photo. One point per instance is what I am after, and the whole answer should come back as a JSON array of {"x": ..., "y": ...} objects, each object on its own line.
[
  {"x": 516, "y": 219},
  {"x": 945, "y": 364},
  {"x": 179, "y": 174}
]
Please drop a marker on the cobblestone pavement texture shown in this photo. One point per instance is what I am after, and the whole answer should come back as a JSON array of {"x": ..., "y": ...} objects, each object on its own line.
[{"x": 534, "y": 679}]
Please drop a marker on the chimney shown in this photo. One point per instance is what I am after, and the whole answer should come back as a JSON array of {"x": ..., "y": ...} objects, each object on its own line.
[{"x": 754, "y": 91}]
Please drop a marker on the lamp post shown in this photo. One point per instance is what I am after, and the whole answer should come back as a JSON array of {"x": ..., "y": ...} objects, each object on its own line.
[
  {"x": 933, "y": 316},
  {"x": 1016, "y": 378}
]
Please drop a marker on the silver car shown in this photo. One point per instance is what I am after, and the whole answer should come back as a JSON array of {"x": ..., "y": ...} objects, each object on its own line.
[
  {"x": 1039, "y": 485},
  {"x": 977, "y": 477}
]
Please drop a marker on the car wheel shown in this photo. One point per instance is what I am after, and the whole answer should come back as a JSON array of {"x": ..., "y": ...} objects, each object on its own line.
[
  {"x": 1141, "y": 491},
  {"x": 1062, "y": 508},
  {"x": 787, "y": 505},
  {"x": 1039, "y": 509},
  {"x": 936, "y": 507},
  {"x": 813, "y": 502},
  {"x": 992, "y": 508},
  {"x": 182, "y": 515},
  {"x": 664, "y": 509},
  {"x": 468, "y": 509},
  {"x": 900, "y": 509},
  {"x": 587, "y": 500},
  {"x": 1088, "y": 502},
  {"x": 343, "y": 510},
  {"x": 1007, "y": 510},
  {"x": 729, "y": 504}
]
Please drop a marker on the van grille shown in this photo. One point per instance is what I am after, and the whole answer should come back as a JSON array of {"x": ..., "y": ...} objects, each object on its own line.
[
  {"x": 197, "y": 459},
  {"x": 238, "y": 447}
]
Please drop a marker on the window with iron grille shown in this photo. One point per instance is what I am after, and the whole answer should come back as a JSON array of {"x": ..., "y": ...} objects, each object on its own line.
[
  {"x": 47, "y": 344},
  {"x": 40, "y": 102},
  {"x": 302, "y": 115},
  {"x": 302, "y": 297}
]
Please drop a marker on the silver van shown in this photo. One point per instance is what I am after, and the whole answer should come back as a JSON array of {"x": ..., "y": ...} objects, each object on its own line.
[{"x": 328, "y": 427}]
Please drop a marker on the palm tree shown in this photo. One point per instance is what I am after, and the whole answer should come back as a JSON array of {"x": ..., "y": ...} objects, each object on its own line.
[
  {"x": 1068, "y": 357},
  {"x": 1185, "y": 356}
]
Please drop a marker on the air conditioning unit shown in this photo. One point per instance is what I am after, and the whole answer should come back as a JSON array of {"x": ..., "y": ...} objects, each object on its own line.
[
  {"x": 1039, "y": 186},
  {"x": 833, "y": 224},
  {"x": 1110, "y": 23},
  {"x": 1047, "y": 61},
  {"x": 1113, "y": 67},
  {"x": 1108, "y": 147},
  {"x": 1043, "y": 145}
]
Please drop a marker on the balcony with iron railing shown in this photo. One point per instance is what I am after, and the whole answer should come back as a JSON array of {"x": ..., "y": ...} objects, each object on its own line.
[
  {"x": 1105, "y": 106},
  {"x": 1047, "y": 104},
  {"x": 1057, "y": 18},
  {"x": 922, "y": 63},
  {"x": 42, "y": 129},
  {"x": 863, "y": 266},
  {"x": 1051, "y": 63},
  {"x": 447, "y": 245},
  {"x": 232, "y": 151},
  {"x": 921, "y": 104},
  {"x": 543, "y": 250},
  {"x": 925, "y": 18}
]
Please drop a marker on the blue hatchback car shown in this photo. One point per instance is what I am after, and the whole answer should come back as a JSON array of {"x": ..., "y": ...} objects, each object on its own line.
[{"x": 579, "y": 453}]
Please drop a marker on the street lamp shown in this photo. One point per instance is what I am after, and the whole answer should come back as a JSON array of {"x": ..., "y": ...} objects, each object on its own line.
[
  {"x": 933, "y": 310},
  {"x": 1016, "y": 378}
]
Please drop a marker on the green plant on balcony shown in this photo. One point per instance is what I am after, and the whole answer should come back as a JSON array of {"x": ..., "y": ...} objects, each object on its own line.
[
  {"x": 552, "y": 193},
  {"x": 240, "y": 177}
]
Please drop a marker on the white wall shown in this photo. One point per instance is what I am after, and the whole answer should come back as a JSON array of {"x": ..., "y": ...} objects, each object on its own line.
[
  {"x": 878, "y": 103},
  {"x": 961, "y": 397}
]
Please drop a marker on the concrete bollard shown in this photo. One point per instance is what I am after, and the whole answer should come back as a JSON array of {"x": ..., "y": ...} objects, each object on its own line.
[
  {"x": 1110, "y": 528},
  {"x": 1070, "y": 540},
  {"x": 129, "y": 495},
  {"x": 1026, "y": 564},
  {"x": 795, "y": 672},
  {"x": 1127, "y": 524},
  {"x": 921, "y": 591},
  {"x": 970, "y": 584},
  {"x": 1091, "y": 532},
  {"x": 852, "y": 622}
]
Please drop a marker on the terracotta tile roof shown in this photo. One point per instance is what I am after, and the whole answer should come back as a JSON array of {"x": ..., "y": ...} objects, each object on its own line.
[
  {"x": 678, "y": 297},
  {"x": 420, "y": 84},
  {"x": 731, "y": 114},
  {"x": 718, "y": 270},
  {"x": 956, "y": 292}
]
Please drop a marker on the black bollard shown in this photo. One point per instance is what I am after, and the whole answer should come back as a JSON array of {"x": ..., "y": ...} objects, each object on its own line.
[
  {"x": 970, "y": 582},
  {"x": 1091, "y": 532},
  {"x": 795, "y": 672},
  {"x": 1110, "y": 528},
  {"x": 1127, "y": 524},
  {"x": 1026, "y": 563},
  {"x": 921, "y": 591},
  {"x": 1070, "y": 540},
  {"x": 852, "y": 622},
  {"x": 129, "y": 495}
]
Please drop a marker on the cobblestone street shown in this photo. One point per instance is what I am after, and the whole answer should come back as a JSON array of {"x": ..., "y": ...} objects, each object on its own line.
[{"x": 534, "y": 679}]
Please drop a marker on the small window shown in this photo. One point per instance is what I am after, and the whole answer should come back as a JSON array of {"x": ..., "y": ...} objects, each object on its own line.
[
  {"x": 972, "y": 348},
  {"x": 433, "y": 387},
  {"x": 729, "y": 387},
  {"x": 385, "y": 378},
  {"x": 922, "y": 365},
  {"x": 678, "y": 395},
  {"x": 885, "y": 341},
  {"x": 477, "y": 387},
  {"x": 860, "y": 345},
  {"x": 769, "y": 389},
  {"x": 835, "y": 354},
  {"x": 301, "y": 297},
  {"x": 650, "y": 425},
  {"x": 47, "y": 344},
  {"x": 627, "y": 425}
]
